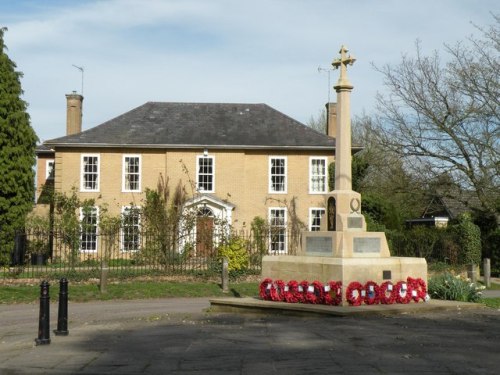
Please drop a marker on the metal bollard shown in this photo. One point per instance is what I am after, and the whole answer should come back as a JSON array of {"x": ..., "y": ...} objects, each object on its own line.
[
  {"x": 44, "y": 318},
  {"x": 62, "y": 314}
]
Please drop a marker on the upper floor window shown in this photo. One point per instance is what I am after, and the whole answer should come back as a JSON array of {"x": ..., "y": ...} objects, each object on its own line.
[
  {"x": 317, "y": 175},
  {"x": 90, "y": 173},
  {"x": 205, "y": 174},
  {"x": 277, "y": 230},
  {"x": 131, "y": 177},
  {"x": 49, "y": 169},
  {"x": 277, "y": 174},
  {"x": 131, "y": 229},
  {"x": 89, "y": 219},
  {"x": 315, "y": 215}
]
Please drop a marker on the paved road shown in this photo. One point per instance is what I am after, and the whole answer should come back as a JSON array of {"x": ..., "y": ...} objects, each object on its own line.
[{"x": 176, "y": 336}]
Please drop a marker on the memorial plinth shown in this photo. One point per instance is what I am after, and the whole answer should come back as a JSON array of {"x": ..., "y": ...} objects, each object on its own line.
[{"x": 343, "y": 250}]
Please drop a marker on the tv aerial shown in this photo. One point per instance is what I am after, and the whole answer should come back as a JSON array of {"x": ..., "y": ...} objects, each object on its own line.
[
  {"x": 80, "y": 68},
  {"x": 321, "y": 70}
]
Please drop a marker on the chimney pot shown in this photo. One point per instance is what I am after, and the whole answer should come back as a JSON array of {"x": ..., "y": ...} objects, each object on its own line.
[
  {"x": 74, "y": 113},
  {"x": 331, "y": 119}
]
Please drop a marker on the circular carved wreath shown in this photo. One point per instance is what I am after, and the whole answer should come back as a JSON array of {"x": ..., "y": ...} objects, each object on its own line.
[
  {"x": 372, "y": 293},
  {"x": 403, "y": 292},
  {"x": 355, "y": 204},
  {"x": 418, "y": 289},
  {"x": 355, "y": 293},
  {"x": 387, "y": 293},
  {"x": 333, "y": 293}
]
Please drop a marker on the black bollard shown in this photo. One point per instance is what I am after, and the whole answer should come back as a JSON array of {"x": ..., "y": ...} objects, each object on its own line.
[
  {"x": 62, "y": 314},
  {"x": 44, "y": 320}
]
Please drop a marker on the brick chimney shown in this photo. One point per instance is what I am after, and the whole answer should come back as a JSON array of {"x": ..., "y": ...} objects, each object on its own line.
[
  {"x": 331, "y": 119},
  {"x": 73, "y": 113}
]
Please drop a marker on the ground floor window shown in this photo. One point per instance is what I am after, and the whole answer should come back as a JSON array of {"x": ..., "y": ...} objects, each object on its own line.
[
  {"x": 131, "y": 228},
  {"x": 315, "y": 215},
  {"x": 88, "y": 223},
  {"x": 277, "y": 230}
]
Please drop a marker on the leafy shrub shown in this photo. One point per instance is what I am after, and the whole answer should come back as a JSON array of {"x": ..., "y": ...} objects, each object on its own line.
[
  {"x": 448, "y": 248},
  {"x": 419, "y": 241},
  {"x": 236, "y": 253},
  {"x": 454, "y": 288},
  {"x": 469, "y": 239},
  {"x": 492, "y": 251}
]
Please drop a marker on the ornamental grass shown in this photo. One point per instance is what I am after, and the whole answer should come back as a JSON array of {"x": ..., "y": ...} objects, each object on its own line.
[{"x": 454, "y": 288}]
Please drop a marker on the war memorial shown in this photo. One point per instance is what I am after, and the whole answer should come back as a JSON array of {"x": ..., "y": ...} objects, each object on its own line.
[{"x": 343, "y": 255}]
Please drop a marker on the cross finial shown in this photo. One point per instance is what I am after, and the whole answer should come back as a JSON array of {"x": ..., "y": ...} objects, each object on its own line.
[{"x": 342, "y": 63}]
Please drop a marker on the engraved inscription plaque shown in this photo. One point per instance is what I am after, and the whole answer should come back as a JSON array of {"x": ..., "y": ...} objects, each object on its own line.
[
  {"x": 319, "y": 246},
  {"x": 354, "y": 222},
  {"x": 366, "y": 245}
]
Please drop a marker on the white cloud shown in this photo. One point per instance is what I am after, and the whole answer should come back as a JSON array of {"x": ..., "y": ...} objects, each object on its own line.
[{"x": 223, "y": 50}]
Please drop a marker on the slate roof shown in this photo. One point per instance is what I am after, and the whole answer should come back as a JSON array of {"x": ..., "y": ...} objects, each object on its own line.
[
  {"x": 214, "y": 125},
  {"x": 44, "y": 149}
]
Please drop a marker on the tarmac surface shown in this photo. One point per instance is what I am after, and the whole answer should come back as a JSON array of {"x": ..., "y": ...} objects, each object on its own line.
[{"x": 179, "y": 336}]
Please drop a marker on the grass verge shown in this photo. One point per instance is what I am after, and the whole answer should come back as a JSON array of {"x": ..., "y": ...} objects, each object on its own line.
[
  {"x": 491, "y": 302},
  {"x": 129, "y": 290}
]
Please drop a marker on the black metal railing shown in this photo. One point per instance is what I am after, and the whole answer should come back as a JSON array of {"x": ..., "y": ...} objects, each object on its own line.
[{"x": 56, "y": 254}]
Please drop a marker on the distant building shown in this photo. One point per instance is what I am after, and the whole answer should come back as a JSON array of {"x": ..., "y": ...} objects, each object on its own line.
[{"x": 440, "y": 210}]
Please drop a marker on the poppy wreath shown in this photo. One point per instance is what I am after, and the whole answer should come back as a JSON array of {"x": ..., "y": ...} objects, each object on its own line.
[
  {"x": 372, "y": 293},
  {"x": 387, "y": 293},
  {"x": 291, "y": 292},
  {"x": 278, "y": 291},
  {"x": 265, "y": 288},
  {"x": 403, "y": 292},
  {"x": 303, "y": 288},
  {"x": 418, "y": 288},
  {"x": 333, "y": 293},
  {"x": 314, "y": 293},
  {"x": 352, "y": 299}
]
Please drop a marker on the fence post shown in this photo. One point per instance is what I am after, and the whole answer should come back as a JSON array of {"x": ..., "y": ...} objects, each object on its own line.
[
  {"x": 62, "y": 314},
  {"x": 225, "y": 275},
  {"x": 472, "y": 272},
  {"x": 103, "y": 285},
  {"x": 487, "y": 272},
  {"x": 44, "y": 317}
]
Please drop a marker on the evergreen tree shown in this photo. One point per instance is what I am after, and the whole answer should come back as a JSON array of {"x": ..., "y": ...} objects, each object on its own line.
[{"x": 17, "y": 154}]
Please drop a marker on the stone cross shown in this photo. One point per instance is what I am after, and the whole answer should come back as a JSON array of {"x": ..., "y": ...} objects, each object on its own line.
[
  {"x": 343, "y": 179},
  {"x": 342, "y": 63}
]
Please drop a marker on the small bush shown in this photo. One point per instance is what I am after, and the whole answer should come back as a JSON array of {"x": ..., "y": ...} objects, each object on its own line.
[
  {"x": 469, "y": 236},
  {"x": 453, "y": 288},
  {"x": 492, "y": 251},
  {"x": 236, "y": 253}
]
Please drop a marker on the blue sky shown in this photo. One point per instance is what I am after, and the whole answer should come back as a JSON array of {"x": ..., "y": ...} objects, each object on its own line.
[{"x": 259, "y": 51}]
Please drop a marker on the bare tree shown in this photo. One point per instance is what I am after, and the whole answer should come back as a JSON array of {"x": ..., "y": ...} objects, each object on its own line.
[
  {"x": 443, "y": 118},
  {"x": 318, "y": 123}
]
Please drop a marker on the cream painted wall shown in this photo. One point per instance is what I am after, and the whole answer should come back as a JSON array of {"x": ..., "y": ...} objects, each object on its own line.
[{"x": 241, "y": 178}]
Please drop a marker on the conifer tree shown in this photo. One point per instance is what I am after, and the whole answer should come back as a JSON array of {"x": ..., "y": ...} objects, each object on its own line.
[{"x": 17, "y": 154}]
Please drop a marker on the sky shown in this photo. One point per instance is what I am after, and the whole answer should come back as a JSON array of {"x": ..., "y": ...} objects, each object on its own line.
[{"x": 228, "y": 51}]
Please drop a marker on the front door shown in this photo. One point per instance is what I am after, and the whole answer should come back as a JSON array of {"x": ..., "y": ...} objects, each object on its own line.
[{"x": 204, "y": 233}]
